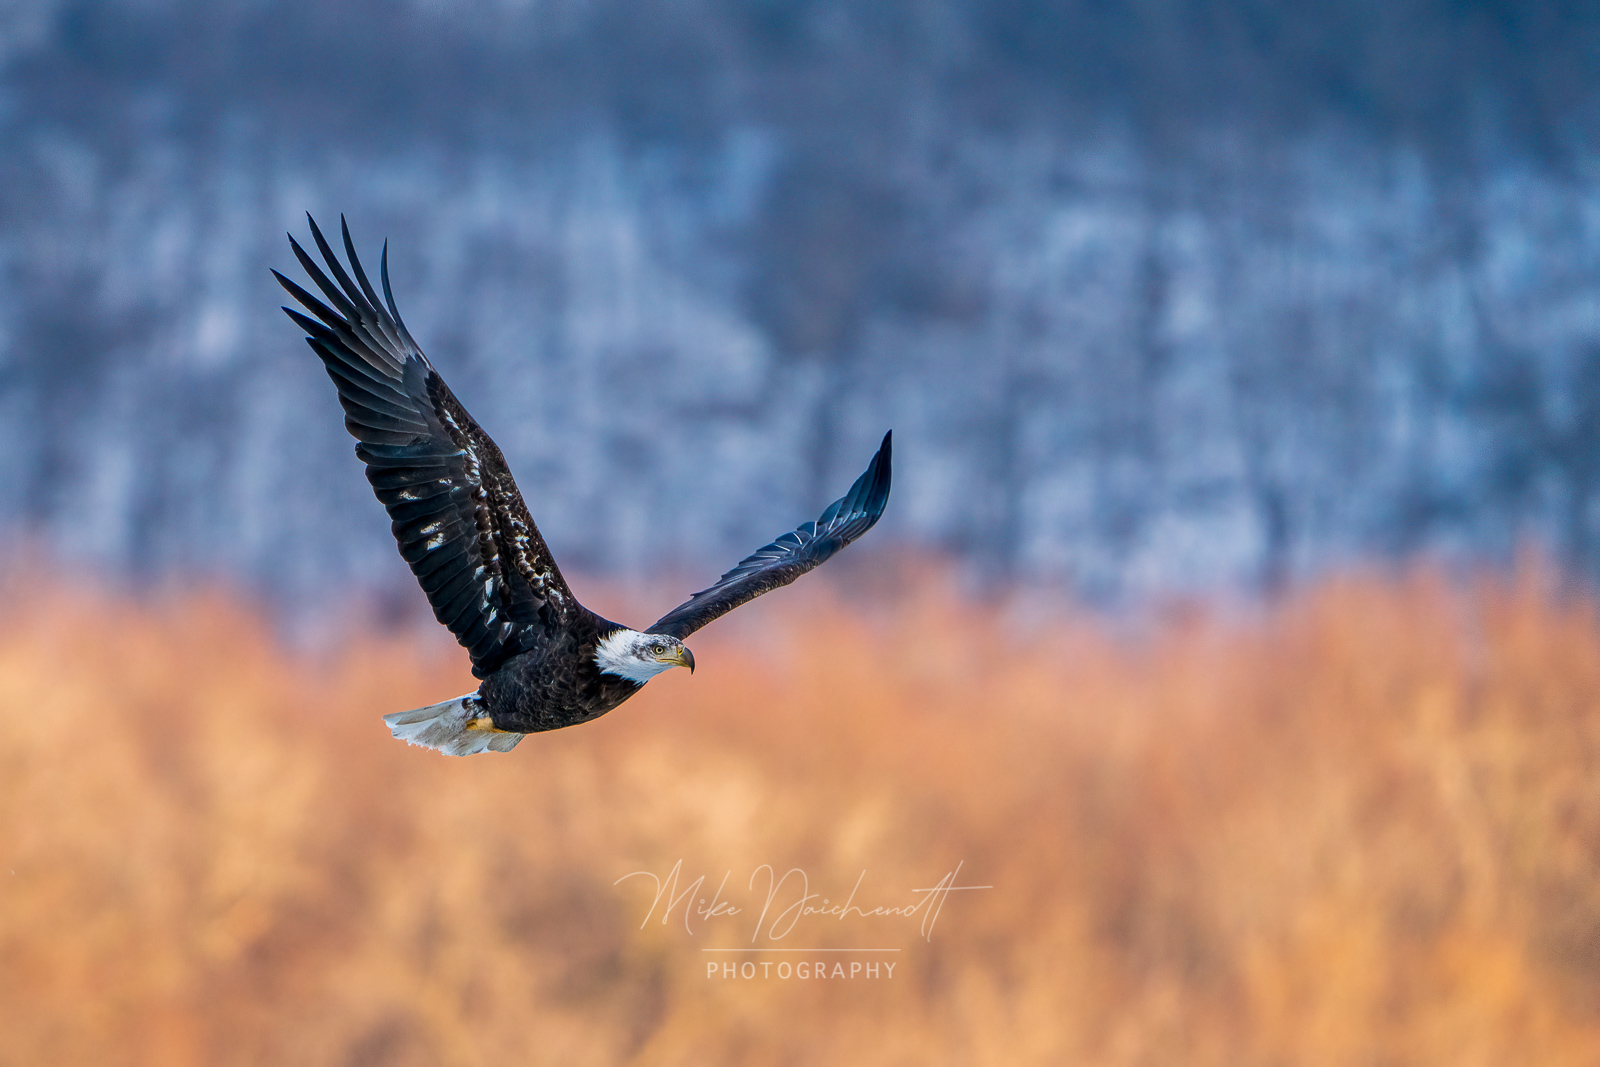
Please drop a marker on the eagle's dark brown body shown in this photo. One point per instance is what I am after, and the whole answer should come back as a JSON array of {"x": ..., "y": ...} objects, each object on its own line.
[
  {"x": 461, "y": 524},
  {"x": 555, "y": 684}
]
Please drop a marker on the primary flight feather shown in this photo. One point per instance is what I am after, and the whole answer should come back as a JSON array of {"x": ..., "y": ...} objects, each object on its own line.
[{"x": 545, "y": 660}]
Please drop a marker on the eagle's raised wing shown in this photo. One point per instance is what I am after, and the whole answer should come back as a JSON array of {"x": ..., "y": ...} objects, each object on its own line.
[
  {"x": 458, "y": 517},
  {"x": 789, "y": 556}
]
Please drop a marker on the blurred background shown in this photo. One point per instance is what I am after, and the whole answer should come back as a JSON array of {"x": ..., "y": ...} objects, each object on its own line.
[
  {"x": 1271, "y": 327},
  {"x": 1158, "y": 295}
]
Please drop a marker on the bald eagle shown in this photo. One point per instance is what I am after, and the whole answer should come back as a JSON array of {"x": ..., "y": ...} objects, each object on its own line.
[{"x": 545, "y": 660}]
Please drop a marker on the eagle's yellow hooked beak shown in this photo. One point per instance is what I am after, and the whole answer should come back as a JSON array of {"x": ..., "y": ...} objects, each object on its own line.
[{"x": 680, "y": 657}]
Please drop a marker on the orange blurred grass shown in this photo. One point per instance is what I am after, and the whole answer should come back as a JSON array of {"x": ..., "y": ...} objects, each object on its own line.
[{"x": 1361, "y": 826}]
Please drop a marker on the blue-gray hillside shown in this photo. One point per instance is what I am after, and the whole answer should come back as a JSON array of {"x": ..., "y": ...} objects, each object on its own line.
[{"x": 1167, "y": 295}]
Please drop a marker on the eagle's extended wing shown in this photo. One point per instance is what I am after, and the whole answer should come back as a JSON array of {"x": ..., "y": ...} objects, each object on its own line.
[
  {"x": 458, "y": 517},
  {"x": 789, "y": 556}
]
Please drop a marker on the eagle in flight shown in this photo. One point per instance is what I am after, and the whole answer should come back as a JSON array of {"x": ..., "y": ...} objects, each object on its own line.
[{"x": 544, "y": 659}]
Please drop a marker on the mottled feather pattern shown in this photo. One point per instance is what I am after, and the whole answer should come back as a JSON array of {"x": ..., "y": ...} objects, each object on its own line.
[
  {"x": 502, "y": 515},
  {"x": 455, "y": 511}
]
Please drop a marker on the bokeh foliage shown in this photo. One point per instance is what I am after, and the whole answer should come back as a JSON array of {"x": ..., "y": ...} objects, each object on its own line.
[{"x": 1359, "y": 827}]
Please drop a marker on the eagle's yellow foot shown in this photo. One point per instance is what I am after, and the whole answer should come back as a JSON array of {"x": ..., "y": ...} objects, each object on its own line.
[{"x": 485, "y": 723}]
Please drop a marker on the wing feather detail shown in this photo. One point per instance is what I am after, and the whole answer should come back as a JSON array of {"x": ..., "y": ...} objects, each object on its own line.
[
  {"x": 456, "y": 513},
  {"x": 791, "y": 555}
]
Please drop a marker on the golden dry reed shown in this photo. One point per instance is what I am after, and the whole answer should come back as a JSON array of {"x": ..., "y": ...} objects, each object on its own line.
[{"x": 1361, "y": 827}]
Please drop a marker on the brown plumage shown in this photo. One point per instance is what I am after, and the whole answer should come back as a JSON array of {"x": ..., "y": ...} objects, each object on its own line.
[{"x": 545, "y": 660}]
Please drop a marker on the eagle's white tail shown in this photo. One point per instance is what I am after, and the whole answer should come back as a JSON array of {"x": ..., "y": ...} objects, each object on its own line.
[{"x": 457, "y": 727}]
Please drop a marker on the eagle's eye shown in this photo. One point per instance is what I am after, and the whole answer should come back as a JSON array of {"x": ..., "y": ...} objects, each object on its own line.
[{"x": 657, "y": 649}]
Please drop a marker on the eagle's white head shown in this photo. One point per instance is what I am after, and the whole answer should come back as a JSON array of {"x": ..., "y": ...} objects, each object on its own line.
[{"x": 640, "y": 657}]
